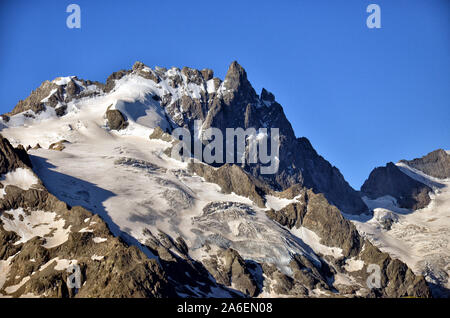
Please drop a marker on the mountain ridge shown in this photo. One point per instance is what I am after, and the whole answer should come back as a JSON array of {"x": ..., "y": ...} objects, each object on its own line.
[{"x": 190, "y": 95}]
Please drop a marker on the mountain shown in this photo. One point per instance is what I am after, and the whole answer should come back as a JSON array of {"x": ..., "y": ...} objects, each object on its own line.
[
  {"x": 90, "y": 183},
  {"x": 410, "y": 201},
  {"x": 179, "y": 97}
]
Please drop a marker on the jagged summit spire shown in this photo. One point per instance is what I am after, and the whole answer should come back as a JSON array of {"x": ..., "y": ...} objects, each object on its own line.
[
  {"x": 236, "y": 81},
  {"x": 236, "y": 76},
  {"x": 267, "y": 96}
]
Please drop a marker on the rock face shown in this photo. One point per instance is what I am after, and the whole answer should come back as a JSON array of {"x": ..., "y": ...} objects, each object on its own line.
[
  {"x": 435, "y": 164},
  {"x": 234, "y": 103},
  {"x": 232, "y": 178},
  {"x": 116, "y": 120},
  {"x": 313, "y": 212},
  {"x": 240, "y": 106},
  {"x": 108, "y": 267},
  {"x": 230, "y": 269},
  {"x": 12, "y": 158},
  {"x": 390, "y": 180},
  {"x": 56, "y": 94}
]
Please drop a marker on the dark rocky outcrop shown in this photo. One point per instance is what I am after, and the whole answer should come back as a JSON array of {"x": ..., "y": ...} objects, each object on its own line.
[
  {"x": 33, "y": 102},
  {"x": 390, "y": 180},
  {"x": 435, "y": 164},
  {"x": 12, "y": 158},
  {"x": 315, "y": 213},
  {"x": 116, "y": 120},
  {"x": 111, "y": 80},
  {"x": 397, "y": 280},
  {"x": 230, "y": 269},
  {"x": 123, "y": 271},
  {"x": 232, "y": 178}
]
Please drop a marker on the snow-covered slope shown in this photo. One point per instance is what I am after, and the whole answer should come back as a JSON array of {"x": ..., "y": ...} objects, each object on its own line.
[{"x": 420, "y": 238}]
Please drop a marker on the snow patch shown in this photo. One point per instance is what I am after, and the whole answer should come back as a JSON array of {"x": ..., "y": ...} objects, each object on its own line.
[
  {"x": 96, "y": 257},
  {"x": 14, "y": 288},
  {"x": 313, "y": 240},
  {"x": 36, "y": 223},
  {"x": 276, "y": 203},
  {"x": 99, "y": 239},
  {"x": 62, "y": 80},
  {"x": 353, "y": 265}
]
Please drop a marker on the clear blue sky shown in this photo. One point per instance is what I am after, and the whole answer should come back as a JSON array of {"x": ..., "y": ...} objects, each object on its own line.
[{"x": 362, "y": 96}]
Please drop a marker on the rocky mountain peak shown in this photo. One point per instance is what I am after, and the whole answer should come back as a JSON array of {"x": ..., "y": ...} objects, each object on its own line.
[
  {"x": 237, "y": 84},
  {"x": 390, "y": 180},
  {"x": 435, "y": 164},
  {"x": 267, "y": 96}
]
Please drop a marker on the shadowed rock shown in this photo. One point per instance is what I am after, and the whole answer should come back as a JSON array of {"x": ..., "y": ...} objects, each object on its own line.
[
  {"x": 390, "y": 180},
  {"x": 435, "y": 164}
]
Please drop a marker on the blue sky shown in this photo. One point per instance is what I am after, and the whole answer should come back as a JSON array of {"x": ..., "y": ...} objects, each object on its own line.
[{"x": 362, "y": 96}]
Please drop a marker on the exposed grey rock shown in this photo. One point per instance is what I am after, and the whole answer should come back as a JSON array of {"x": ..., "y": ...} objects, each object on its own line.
[
  {"x": 390, "y": 180},
  {"x": 111, "y": 80},
  {"x": 158, "y": 133},
  {"x": 435, "y": 164},
  {"x": 240, "y": 106},
  {"x": 315, "y": 213},
  {"x": 33, "y": 102},
  {"x": 116, "y": 120},
  {"x": 232, "y": 178},
  {"x": 230, "y": 269},
  {"x": 397, "y": 280},
  {"x": 56, "y": 96},
  {"x": 140, "y": 69},
  {"x": 207, "y": 74}
]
